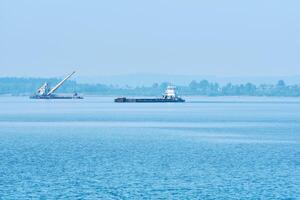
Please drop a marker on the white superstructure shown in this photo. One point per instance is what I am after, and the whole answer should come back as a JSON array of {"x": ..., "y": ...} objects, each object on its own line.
[{"x": 170, "y": 92}]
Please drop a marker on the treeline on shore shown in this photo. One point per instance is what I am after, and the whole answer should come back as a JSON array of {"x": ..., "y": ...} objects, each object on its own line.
[{"x": 25, "y": 86}]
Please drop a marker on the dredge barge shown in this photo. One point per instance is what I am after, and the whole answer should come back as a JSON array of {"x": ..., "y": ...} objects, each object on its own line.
[{"x": 45, "y": 92}]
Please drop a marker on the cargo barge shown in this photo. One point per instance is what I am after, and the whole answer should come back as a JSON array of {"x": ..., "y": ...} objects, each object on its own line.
[{"x": 170, "y": 96}]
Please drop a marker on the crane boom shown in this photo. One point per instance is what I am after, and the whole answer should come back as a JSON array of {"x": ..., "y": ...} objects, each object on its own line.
[{"x": 60, "y": 83}]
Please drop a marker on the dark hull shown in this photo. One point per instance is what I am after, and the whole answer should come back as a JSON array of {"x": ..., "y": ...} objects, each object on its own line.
[
  {"x": 154, "y": 100},
  {"x": 54, "y": 97}
]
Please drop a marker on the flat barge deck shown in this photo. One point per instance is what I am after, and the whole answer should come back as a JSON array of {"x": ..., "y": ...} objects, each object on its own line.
[{"x": 145, "y": 100}]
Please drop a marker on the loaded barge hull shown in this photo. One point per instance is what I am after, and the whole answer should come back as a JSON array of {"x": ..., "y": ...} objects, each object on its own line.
[{"x": 154, "y": 100}]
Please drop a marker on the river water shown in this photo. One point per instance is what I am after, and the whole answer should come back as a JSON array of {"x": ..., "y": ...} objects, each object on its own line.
[{"x": 206, "y": 148}]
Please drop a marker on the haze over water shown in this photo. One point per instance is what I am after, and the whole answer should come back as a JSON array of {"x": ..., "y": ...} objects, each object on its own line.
[{"x": 206, "y": 148}]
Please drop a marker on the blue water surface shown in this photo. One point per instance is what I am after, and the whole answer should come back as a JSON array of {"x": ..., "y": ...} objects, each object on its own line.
[{"x": 206, "y": 148}]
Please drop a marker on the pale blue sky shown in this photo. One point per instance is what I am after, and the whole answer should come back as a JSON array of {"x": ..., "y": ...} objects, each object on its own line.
[{"x": 231, "y": 38}]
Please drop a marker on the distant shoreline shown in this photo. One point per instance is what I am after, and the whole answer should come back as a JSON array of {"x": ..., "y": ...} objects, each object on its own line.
[{"x": 28, "y": 86}]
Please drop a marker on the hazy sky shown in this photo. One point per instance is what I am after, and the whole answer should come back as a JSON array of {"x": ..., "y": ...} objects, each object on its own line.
[{"x": 231, "y": 38}]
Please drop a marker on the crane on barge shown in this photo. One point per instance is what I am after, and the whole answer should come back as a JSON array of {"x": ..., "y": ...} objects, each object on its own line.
[{"x": 45, "y": 92}]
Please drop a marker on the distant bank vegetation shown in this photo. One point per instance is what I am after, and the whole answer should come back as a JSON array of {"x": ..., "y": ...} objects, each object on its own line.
[{"x": 25, "y": 86}]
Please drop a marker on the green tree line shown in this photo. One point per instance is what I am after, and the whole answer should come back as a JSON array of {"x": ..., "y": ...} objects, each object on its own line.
[{"x": 26, "y": 86}]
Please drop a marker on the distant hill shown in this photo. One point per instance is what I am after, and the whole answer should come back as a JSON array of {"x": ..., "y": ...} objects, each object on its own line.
[{"x": 134, "y": 80}]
